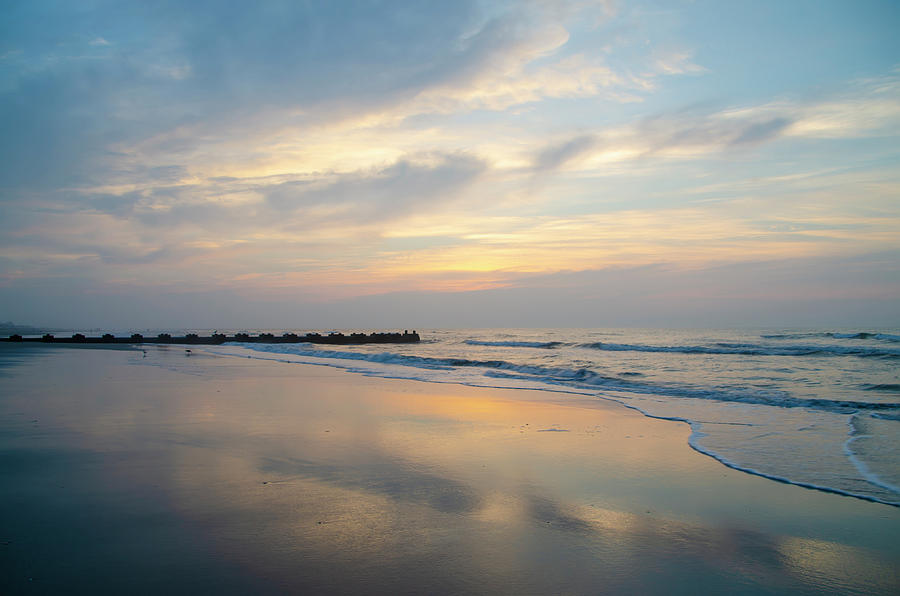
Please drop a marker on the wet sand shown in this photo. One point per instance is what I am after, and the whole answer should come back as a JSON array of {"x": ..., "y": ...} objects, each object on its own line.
[{"x": 173, "y": 473}]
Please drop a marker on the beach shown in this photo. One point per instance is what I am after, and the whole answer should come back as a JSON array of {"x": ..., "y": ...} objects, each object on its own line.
[{"x": 156, "y": 470}]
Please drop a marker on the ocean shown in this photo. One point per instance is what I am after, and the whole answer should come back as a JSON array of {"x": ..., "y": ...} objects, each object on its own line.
[{"x": 816, "y": 408}]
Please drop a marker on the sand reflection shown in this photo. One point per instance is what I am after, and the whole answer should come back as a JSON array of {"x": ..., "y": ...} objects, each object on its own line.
[{"x": 317, "y": 480}]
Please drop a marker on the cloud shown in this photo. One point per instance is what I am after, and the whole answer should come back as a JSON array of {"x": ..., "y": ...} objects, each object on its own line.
[
  {"x": 405, "y": 188},
  {"x": 185, "y": 81},
  {"x": 758, "y": 132},
  {"x": 868, "y": 110},
  {"x": 864, "y": 108},
  {"x": 859, "y": 291},
  {"x": 208, "y": 69},
  {"x": 551, "y": 158},
  {"x": 408, "y": 187},
  {"x": 794, "y": 292},
  {"x": 676, "y": 63},
  {"x": 706, "y": 133},
  {"x": 674, "y": 135},
  {"x": 227, "y": 228}
]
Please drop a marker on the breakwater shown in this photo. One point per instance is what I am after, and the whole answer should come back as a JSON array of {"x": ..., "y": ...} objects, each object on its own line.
[{"x": 221, "y": 338}]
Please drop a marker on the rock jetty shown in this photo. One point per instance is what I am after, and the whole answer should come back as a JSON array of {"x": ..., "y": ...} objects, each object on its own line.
[{"x": 220, "y": 338}]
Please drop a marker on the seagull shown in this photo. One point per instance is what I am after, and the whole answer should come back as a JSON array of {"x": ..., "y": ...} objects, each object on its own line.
[{"x": 187, "y": 352}]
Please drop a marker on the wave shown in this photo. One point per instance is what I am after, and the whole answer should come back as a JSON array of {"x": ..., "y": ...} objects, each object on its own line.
[
  {"x": 866, "y": 335},
  {"x": 883, "y": 416},
  {"x": 795, "y": 335},
  {"x": 515, "y": 344},
  {"x": 582, "y": 378},
  {"x": 775, "y": 399},
  {"x": 857, "y": 433},
  {"x": 754, "y": 350},
  {"x": 887, "y": 337},
  {"x": 892, "y": 387},
  {"x": 697, "y": 435}
]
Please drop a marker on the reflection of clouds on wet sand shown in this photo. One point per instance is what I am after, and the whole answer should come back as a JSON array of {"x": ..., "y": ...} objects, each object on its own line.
[
  {"x": 620, "y": 536},
  {"x": 385, "y": 503},
  {"x": 322, "y": 481},
  {"x": 385, "y": 476}
]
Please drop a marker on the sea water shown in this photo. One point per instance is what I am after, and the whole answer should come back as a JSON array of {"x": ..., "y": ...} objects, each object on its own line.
[{"x": 816, "y": 408}]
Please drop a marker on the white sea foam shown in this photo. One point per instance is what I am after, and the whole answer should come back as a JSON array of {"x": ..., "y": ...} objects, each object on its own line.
[{"x": 864, "y": 470}]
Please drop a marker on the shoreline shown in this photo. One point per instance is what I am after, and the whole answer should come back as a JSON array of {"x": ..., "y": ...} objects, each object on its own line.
[
  {"x": 474, "y": 489},
  {"x": 693, "y": 440},
  {"x": 596, "y": 396}
]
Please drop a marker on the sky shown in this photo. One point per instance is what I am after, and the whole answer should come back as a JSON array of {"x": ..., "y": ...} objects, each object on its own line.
[{"x": 450, "y": 164}]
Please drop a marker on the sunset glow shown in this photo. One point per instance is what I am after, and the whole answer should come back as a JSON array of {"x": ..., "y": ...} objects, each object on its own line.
[{"x": 325, "y": 153}]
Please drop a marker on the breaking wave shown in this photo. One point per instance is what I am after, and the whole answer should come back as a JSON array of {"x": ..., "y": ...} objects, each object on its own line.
[
  {"x": 892, "y": 387},
  {"x": 515, "y": 344},
  {"x": 581, "y": 378},
  {"x": 888, "y": 337},
  {"x": 746, "y": 349}
]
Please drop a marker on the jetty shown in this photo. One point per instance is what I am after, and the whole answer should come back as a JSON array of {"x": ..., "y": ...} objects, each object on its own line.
[{"x": 215, "y": 339}]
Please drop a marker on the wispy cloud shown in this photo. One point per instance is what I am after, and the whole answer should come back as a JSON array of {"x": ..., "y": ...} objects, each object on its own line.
[
  {"x": 555, "y": 156},
  {"x": 870, "y": 110}
]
